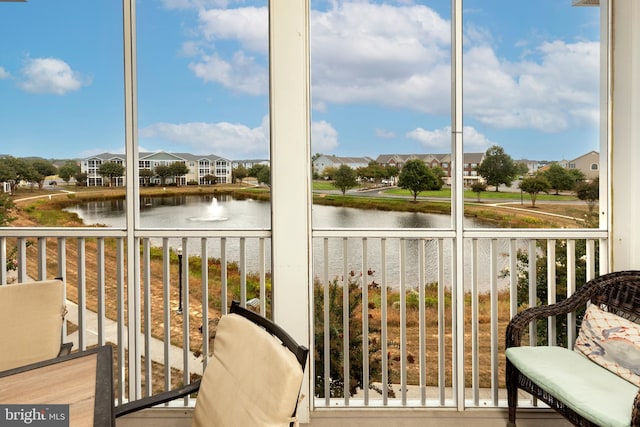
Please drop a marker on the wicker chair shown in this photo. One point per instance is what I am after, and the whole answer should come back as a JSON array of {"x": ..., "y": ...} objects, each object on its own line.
[{"x": 618, "y": 293}]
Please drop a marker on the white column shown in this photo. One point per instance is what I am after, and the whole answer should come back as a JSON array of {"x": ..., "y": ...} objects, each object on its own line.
[
  {"x": 291, "y": 173},
  {"x": 625, "y": 134}
]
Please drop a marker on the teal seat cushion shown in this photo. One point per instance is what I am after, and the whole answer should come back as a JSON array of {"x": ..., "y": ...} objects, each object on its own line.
[{"x": 586, "y": 387}]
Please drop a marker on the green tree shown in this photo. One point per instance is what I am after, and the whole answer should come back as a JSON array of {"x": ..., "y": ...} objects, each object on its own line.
[
  {"x": 163, "y": 172},
  {"x": 145, "y": 176},
  {"x": 111, "y": 170},
  {"x": 209, "y": 179},
  {"x": 345, "y": 179},
  {"x": 7, "y": 171},
  {"x": 559, "y": 178},
  {"x": 589, "y": 192},
  {"x": 6, "y": 206},
  {"x": 81, "y": 178},
  {"x": 373, "y": 171},
  {"x": 534, "y": 185},
  {"x": 336, "y": 341},
  {"x": 498, "y": 167},
  {"x": 43, "y": 168},
  {"x": 478, "y": 187},
  {"x": 390, "y": 171},
  {"x": 329, "y": 172},
  {"x": 239, "y": 173},
  {"x": 579, "y": 271},
  {"x": 68, "y": 170},
  {"x": 24, "y": 171},
  {"x": 262, "y": 173},
  {"x": 439, "y": 173},
  {"x": 178, "y": 169},
  {"x": 415, "y": 176}
]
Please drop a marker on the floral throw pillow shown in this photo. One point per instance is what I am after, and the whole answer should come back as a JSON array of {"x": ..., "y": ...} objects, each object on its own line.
[{"x": 612, "y": 342}]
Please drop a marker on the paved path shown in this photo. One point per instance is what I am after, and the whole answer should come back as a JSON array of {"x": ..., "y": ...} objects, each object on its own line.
[{"x": 111, "y": 335}]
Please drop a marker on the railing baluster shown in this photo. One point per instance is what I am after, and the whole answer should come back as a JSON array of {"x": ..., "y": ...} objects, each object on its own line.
[
  {"x": 383, "y": 322},
  {"x": 403, "y": 321},
  {"x": 441, "y": 323},
  {"x": 422, "y": 324},
  {"x": 263, "y": 278},
  {"x": 243, "y": 272},
  {"x": 326, "y": 326},
  {"x": 493, "y": 293},
  {"x": 82, "y": 297},
  {"x": 21, "y": 255},
  {"x": 551, "y": 288},
  {"x": 146, "y": 282},
  {"x": 475, "y": 364},
  {"x": 122, "y": 331},
  {"x": 571, "y": 288},
  {"x": 365, "y": 323},
  {"x": 532, "y": 289},
  {"x": 100, "y": 289},
  {"x": 42, "y": 258},
  {"x": 224, "y": 303},
  {"x": 186, "y": 375},
  {"x": 204, "y": 269},
  {"x": 3, "y": 260},
  {"x": 166, "y": 303},
  {"x": 345, "y": 320}
]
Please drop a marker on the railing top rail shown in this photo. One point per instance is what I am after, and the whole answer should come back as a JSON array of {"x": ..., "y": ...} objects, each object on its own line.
[
  {"x": 498, "y": 233},
  {"x": 117, "y": 232}
]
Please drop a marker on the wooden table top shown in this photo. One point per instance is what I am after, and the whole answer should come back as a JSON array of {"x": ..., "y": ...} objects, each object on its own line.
[{"x": 82, "y": 380}]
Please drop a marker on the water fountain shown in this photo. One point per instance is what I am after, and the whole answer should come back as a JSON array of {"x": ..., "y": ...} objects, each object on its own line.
[{"x": 215, "y": 212}]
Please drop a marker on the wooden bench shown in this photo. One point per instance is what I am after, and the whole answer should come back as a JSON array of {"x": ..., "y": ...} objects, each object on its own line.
[{"x": 575, "y": 383}]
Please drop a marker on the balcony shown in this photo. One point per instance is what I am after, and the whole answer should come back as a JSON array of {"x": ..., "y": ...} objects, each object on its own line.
[
  {"x": 442, "y": 360},
  {"x": 443, "y": 354}
]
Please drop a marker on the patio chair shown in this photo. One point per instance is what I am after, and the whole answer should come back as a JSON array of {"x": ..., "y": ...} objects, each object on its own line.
[
  {"x": 253, "y": 377},
  {"x": 31, "y": 315}
]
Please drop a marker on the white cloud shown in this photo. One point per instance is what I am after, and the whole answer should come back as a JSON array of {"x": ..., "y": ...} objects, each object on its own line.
[
  {"x": 234, "y": 141},
  {"x": 324, "y": 138},
  {"x": 399, "y": 57},
  {"x": 558, "y": 91},
  {"x": 383, "y": 133},
  {"x": 50, "y": 76},
  {"x": 194, "y": 4},
  {"x": 246, "y": 25},
  {"x": 228, "y": 140},
  {"x": 439, "y": 140},
  {"x": 241, "y": 74},
  {"x": 4, "y": 74}
]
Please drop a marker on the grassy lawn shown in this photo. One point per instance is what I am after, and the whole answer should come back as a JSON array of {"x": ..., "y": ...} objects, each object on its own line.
[
  {"x": 323, "y": 185},
  {"x": 468, "y": 194}
]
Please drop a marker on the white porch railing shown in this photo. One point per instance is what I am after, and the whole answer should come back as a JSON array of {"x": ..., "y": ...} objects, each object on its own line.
[{"x": 412, "y": 312}]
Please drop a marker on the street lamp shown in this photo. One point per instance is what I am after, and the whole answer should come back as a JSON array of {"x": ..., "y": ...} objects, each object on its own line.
[{"x": 180, "y": 280}]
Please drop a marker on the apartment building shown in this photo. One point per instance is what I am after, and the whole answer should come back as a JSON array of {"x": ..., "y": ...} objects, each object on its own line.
[{"x": 201, "y": 167}]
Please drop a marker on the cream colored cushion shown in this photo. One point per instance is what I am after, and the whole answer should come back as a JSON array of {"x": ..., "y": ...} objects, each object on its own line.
[
  {"x": 31, "y": 317},
  {"x": 251, "y": 379},
  {"x": 612, "y": 342}
]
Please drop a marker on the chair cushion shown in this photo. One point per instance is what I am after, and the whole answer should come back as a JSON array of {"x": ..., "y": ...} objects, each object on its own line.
[
  {"x": 612, "y": 342},
  {"x": 31, "y": 316},
  {"x": 251, "y": 379},
  {"x": 586, "y": 387}
]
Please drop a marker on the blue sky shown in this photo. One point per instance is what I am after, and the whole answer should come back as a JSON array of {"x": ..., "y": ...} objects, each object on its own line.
[{"x": 380, "y": 77}]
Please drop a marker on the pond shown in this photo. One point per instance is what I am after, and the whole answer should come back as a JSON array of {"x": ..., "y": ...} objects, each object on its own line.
[{"x": 227, "y": 212}]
